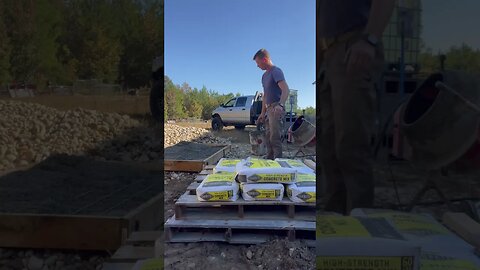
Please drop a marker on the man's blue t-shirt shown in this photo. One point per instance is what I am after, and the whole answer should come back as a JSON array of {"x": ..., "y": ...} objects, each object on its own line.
[{"x": 270, "y": 80}]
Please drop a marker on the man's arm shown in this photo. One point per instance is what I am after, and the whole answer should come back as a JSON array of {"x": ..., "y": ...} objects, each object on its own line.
[
  {"x": 361, "y": 54},
  {"x": 380, "y": 14},
  {"x": 283, "y": 85},
  {"x": 264, "y": 105}
]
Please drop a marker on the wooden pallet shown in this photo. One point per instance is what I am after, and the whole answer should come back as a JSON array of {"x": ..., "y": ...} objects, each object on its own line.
[
  {"x": 195, "y": 165},
  {"x": 245, "y": 231},
  {"x": 188, "y": 207},
  {"x": 239, "y": 222}
]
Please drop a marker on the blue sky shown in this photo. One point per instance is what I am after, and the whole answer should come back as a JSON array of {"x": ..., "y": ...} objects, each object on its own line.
[
  {"x": 212, "y": 43},
  {"x": 447, "y": 23}
]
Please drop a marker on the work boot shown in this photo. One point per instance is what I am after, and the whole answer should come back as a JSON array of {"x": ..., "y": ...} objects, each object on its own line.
[{"x": 268, "y": 157}]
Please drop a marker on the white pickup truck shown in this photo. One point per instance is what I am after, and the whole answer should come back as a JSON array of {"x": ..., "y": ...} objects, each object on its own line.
[{"x": 239, "y": 112}]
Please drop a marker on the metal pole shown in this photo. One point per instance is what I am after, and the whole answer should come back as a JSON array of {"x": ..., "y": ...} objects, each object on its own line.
[
  {"x": 402, "y": 54},
  {"x": 291, "y": 109}
]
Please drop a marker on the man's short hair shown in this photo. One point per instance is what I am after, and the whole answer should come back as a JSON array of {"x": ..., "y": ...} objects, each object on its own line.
[{"x": 262, "y": 53}]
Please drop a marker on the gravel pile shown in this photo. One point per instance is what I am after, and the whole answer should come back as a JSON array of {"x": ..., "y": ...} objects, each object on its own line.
[
  {"x": 30, "y": 132},
  {"x": 175, "y": 134}
]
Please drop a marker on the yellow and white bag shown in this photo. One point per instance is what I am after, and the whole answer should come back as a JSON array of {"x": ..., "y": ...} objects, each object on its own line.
[
  {"x": 296, "y": 164},
  {"x": 262, "y": 192},
  {"x": 304, "y": 189},
  {"x": 218, "y": 187},
  {"x": 253, "y": 170},
  {"x": 226, "y": 165}
]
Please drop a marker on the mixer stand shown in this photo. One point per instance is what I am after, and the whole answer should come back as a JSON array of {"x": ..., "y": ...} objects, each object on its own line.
[
  {"x": 305, "y": 152},
  {"x": 430, "y": 183}
]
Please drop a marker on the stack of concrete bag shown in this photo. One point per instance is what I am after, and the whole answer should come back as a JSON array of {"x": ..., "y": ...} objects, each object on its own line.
[
  {"x": 262, "y": 179},
  {"x": 226, "y": 165},
  {"x": 259, "y": 180},
  {"x": 304, "y": 188},
  {"x": 219, "y": 186}
]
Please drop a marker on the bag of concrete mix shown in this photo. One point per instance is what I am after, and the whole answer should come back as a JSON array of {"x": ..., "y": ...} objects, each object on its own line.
[
  {"x": 253, "y": 170},
  {"x": 262, "y": 192},
  {"x": 425, "y": 231},
  {"x": 226, "y": 165},
  {"x": 345, "y": 242},
  {"x": 435, "y": 261},
  {"x": 218, "y": 187},
  {"x": 304, "y": 189},
  {"x": 296, "y": 164},
  {"x": 149, "y": 264}
]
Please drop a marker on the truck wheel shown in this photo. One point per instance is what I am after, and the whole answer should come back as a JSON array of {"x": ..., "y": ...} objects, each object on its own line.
[
  {"x": 156, "y": 100},
  {"x": 260, "y": 126},
  {"x": 240, "y": 127},
  {"x": 217, "y": 124}
]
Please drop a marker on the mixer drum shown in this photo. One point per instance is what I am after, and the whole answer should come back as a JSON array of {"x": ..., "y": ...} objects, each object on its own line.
[
  {"x": 438, "y": 125},
  {"x": 303, "y": 132}
]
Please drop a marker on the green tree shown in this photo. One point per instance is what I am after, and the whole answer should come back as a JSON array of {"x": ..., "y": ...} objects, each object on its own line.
[
  {"x": 48, "y": 20},
  {"x": 428, "y": 62},
  {"x": 101, "y": 57},
  {"x": 20, "y": 23},
  {"x": 141, "y": 34},
  {"x": 5, "y": 50},
  {"x": 463, "y": 58},
  {"x": 174, "y": 100},
  {"x": 90, "y": 34},
  {"x": 195, "y": 109}
]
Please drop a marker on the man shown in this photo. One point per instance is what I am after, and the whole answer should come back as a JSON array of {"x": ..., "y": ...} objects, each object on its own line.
[
  {"x": 275, "y": 94},
  {"x": 350, "y": 62}
]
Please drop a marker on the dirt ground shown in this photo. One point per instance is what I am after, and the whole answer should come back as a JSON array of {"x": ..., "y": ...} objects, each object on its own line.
[
  {"x": 282, "y": 254},
  {"x": 408, "y": 181},
  {"x": 391, "y": 179},
  {"x": 287, "y": 255}
]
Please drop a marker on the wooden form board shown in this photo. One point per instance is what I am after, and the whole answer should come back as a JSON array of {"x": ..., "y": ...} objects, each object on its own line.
[
  {"x": 464, "y": 226},
  {"x": 195, "y": 165},
  {"x": 61, "y": 232},
  {"x": 78, "y": 232},
  {"x": 139, "y": 246}
]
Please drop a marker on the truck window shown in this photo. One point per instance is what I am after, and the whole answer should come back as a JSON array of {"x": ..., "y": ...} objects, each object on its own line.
[
  {"x": 230, "y": 103},
  {"x": 241, "y": 101}
]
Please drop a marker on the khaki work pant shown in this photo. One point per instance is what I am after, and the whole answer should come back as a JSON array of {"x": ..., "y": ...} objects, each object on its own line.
[
  {"x": 347, "y": 104},
  {"x": 273, "y": 132}
]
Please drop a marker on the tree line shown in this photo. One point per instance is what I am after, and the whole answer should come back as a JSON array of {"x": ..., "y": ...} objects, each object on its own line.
[
  {"x": 61, "y": 41},
  {"x": 183, "y": 101},
  {"x": 462, "y": 57}
]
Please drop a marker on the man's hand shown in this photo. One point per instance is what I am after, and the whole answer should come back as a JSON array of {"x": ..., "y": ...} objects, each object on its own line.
[
  {"x": 261, "y": 118},
  {"x": 359, "y": 57},
  {"x": 278, "y": 111}
]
